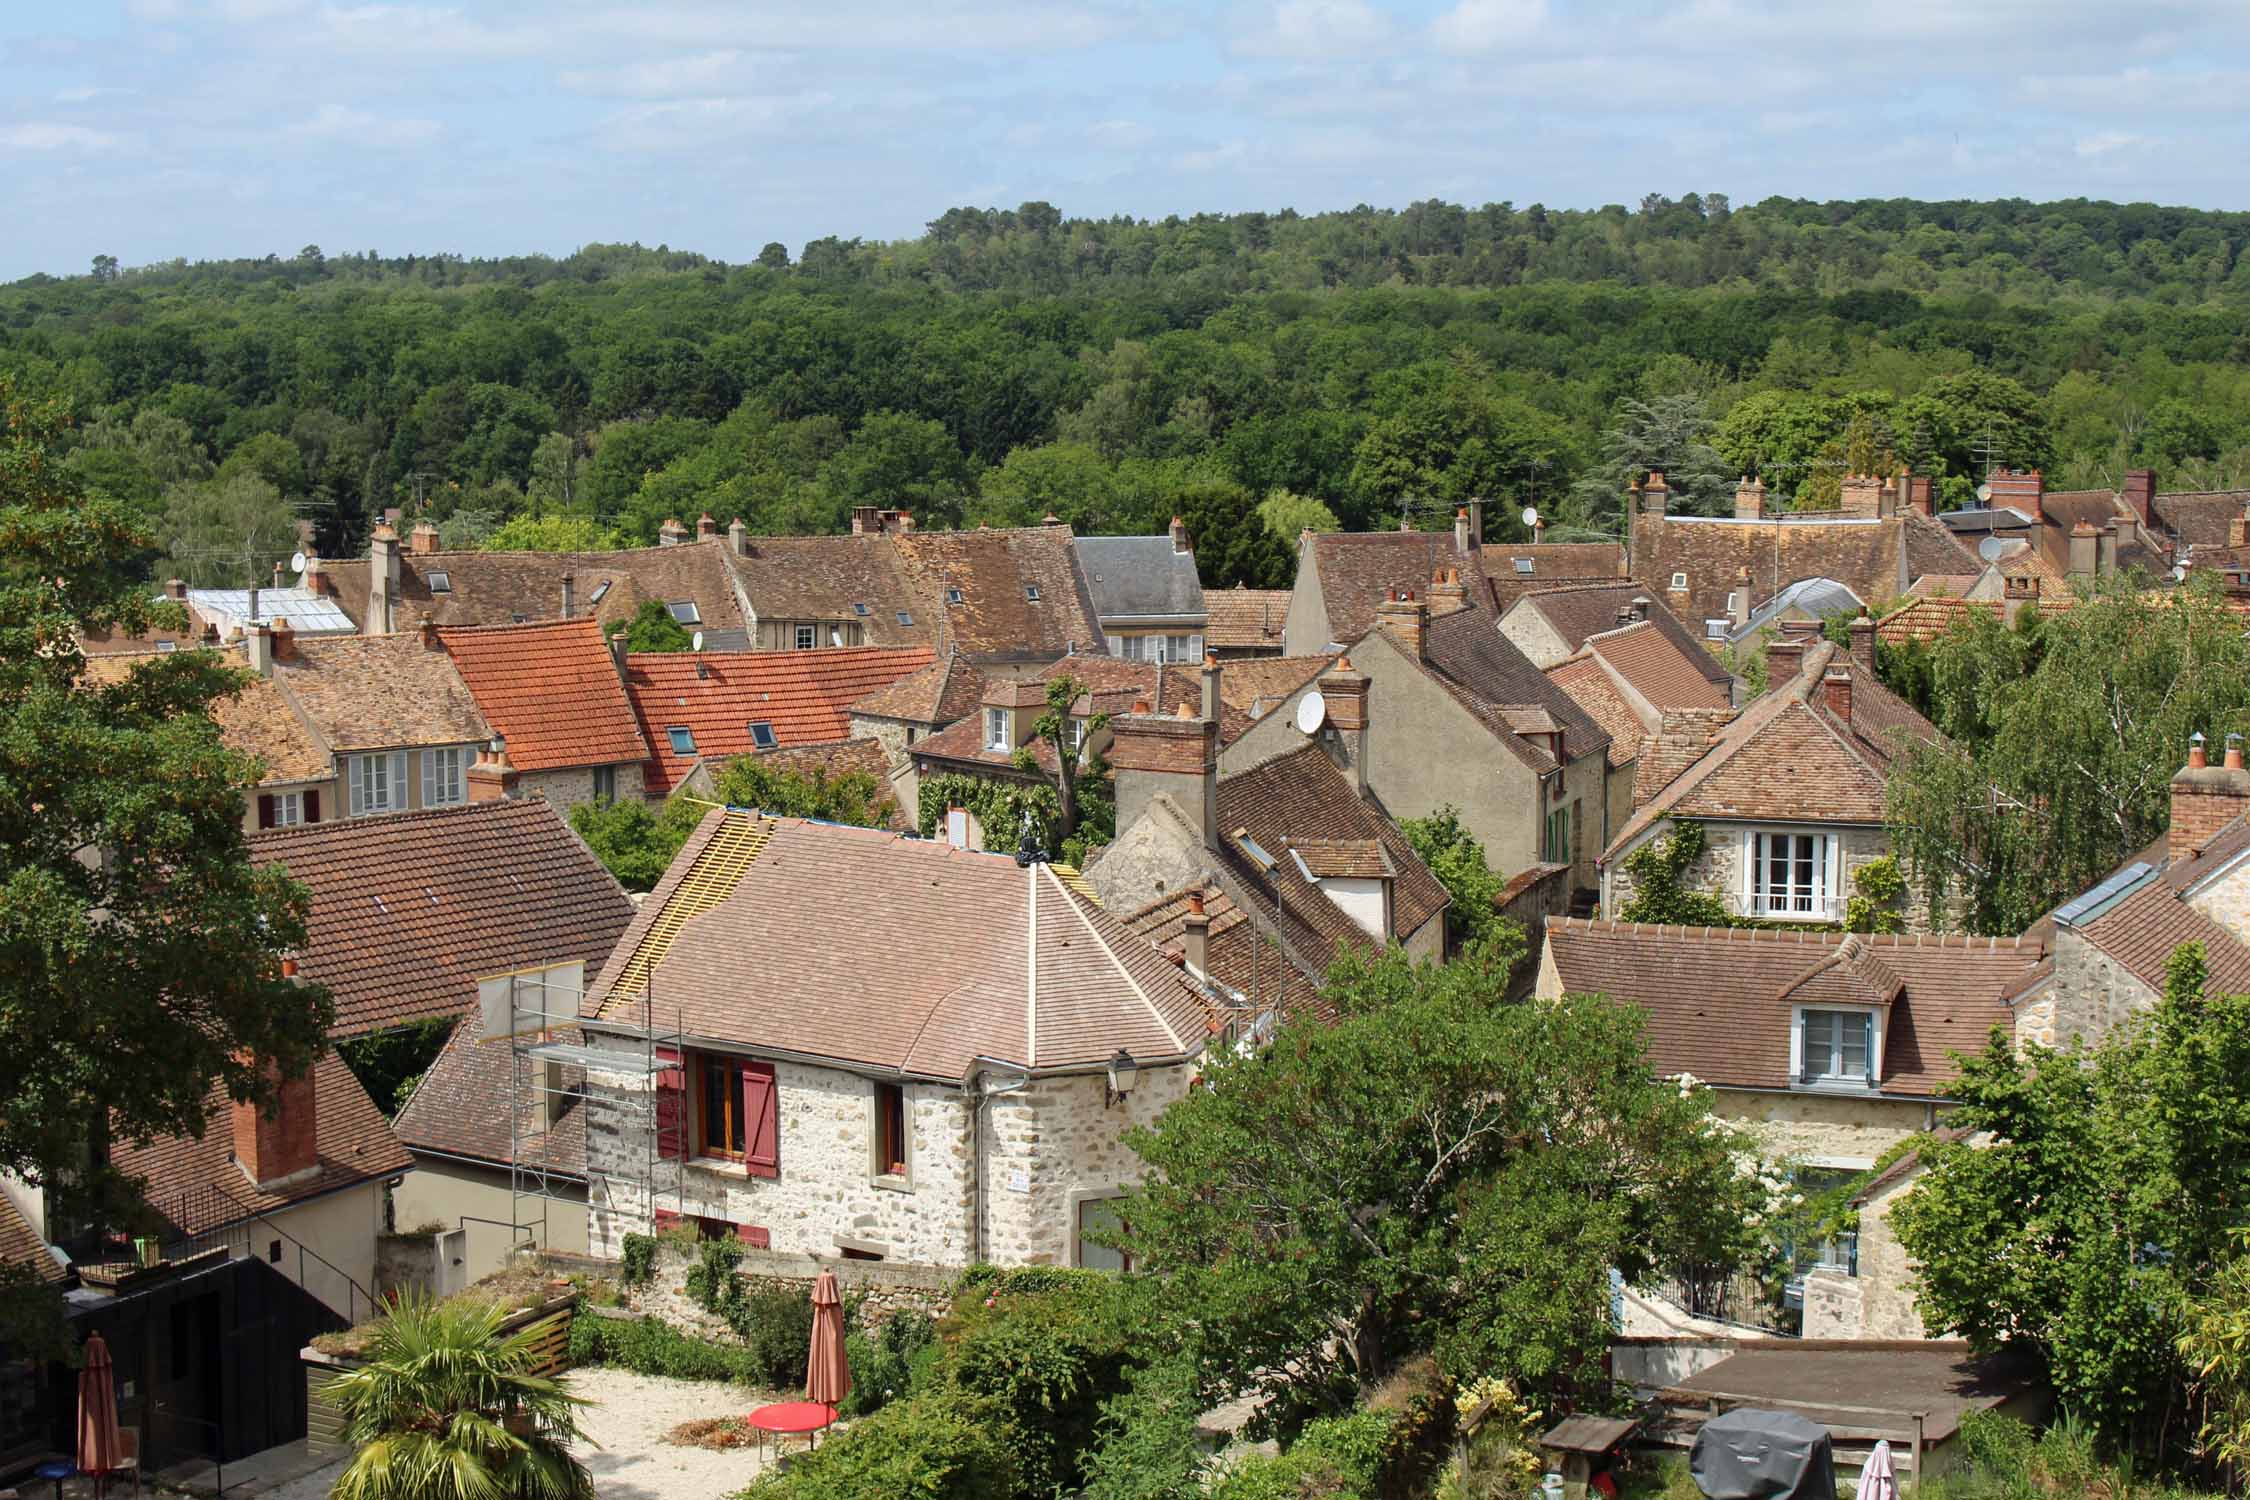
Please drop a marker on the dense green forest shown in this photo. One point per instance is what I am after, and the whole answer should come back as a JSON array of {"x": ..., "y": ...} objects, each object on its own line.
[{"x": 1254, "y": 372}]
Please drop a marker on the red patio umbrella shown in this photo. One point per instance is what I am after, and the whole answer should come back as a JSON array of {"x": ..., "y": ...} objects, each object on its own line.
[
  {"x": 828, "y": 1379},
  {"x": 99, "y": 1446}
]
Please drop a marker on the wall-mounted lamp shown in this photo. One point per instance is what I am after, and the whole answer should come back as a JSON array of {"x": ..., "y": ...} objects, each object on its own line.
[{"x": 1123, "y": 1074}]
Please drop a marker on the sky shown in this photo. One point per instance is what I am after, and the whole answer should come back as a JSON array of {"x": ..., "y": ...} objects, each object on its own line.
[{"x": 149, "y": 129}]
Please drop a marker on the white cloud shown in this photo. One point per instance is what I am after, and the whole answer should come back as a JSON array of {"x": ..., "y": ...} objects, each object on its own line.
[
  {"x": 1482, "y": 25},
  {"x": 1119, "y": 135},
  {"x": 44, "y": 135},
  {"x": 1315, "y": 28},
  {"x": 700, "y": 76},
  {"x": 365, "y": 127},
  {"x": 2107, "y": 143},
  {"x": 1214, "y": 158}
]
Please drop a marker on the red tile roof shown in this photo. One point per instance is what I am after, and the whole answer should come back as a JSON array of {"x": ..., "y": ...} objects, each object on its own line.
[
  {"x": 552, "y": 690},
  {"x": 409, "y": 911},
  {"x": 460, "y": 1108},
  {"x": 807, "y": 697},
  {"x": 944, "y": 692},
  {"x": 2200, "y": 517},
  {"x": 1661, "y": 669},
  {"x": 20, "y": 1247},
  {"x": 1927, "y": 618},
  {"x": 256, "y": 720}
]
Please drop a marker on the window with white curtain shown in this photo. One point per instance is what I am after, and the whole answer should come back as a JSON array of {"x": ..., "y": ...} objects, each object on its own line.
[
  {"x": 442, "y": 781},
  {"x": 996, "y": 729},
  {"x": 1790, "y": 876}
]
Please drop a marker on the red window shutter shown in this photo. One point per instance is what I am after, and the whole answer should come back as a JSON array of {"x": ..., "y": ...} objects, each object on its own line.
[
  {"x": 754, "y": 1236},
  {"x": 666, "y": 1219},
  {"x": 671, "y": 1107},
  {"x": 761, "y": 1114},
  {"x": 265, "y": 810},
  {"x": 312, "y": 807}
]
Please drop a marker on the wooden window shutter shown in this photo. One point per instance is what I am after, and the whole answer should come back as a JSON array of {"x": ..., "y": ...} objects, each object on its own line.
[
  {"x": 761, "y": 1115},
  {"x": 671, "y": 1107},
  {"x": 666, "y": 1219},
  {"x": 755, "y": 1236},
  {"x": 265, "y": 810},
  {"x": 312, "y": 807}
]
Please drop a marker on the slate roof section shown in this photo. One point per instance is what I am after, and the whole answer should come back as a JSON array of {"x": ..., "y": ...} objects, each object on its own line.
[
  {"x": 1551, "y": 563},
  {"x": 552, "y": 690},
  {"x": 502, "y": 588},
  {"x": 831, "y": 578},
  {"x": 1030, "y": 974},
  {"x": 1581, "y": 612},
  {"x": 1718, "y": 1000},
  {"x": 196, "y": 1186},
  {"x": 1666, "y": 671},
  {"x": 1360, "y": 569},
  {"x": 1140, "y": 579},
  {"x": 995, "y": 570},
  {"x": 1244, "y": 619},
  {"x": 945, "y": 691},
  {"x": 409, "y": 911},
  {"x": 258, "y": 720},
  {"x": 1864, "y": 554},
  {"x": 460, "y": 1108},
  {"x": 381, "y": 692},
  {"x": 806, "y": 696}
]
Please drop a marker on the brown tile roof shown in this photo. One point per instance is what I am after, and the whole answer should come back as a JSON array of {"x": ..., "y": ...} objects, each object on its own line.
[
  {"x": 829, "y": 578},
  {"x": 1718, "y": 1000},
  {"x": 496, "y": 588},
  {"x": 1668, "y": 673},
  {"x": 1256, "y": 684},
  {"x": 195, "y": 1184},
  {"x": 1580, "y": 612},
  {"x": 1679, "y": 742},
  {"x": 1026, "y": 971},
  {"x": 806, "y": 696},
  {"x": 1863, "y": 555},
  {"x": 1114, "y": 685},
  {"x": 942, "y": 693},
  {"x": 995, "y": 570},
  {"x": 1296, "y": 797},
  {"x": 258, "y": 720},
  {"x": 1588, "y": 683},
  {"x": 1244, "y": 619},
  {"x": 2144, "y": 930},
  {"x": 460, "y": 1108},
  {"x": 2064, "y": 509},
  {"x": 1786, "y": 757},
  {"x": 552, "y": 690},
  {"x": 20, "y": 1247},
  {"x": 409, "y": 911},
  {"x": 1551, "y": 563},
  {"x": 1942, "y": 585},
  {"x": 1928, "y": 618},
  {"x": 1488, "y": 674},
  {"x": 1343, "y": 859},
  {"x": 1236, "y": 955},
  {"x": 381, "y": 692},
  {"x": 2200, "y": 517},
  {"x": 1360, "y": 569}
]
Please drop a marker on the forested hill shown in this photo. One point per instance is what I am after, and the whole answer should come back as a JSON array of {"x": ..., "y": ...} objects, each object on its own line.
[{"x": 1339, "y": 368}]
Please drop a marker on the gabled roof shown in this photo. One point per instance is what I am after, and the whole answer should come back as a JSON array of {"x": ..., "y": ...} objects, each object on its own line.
[
  {"x": 831, "y": 578},
  {"x": 1578, "y": 613},
  {"x": 1114, "y": 686},
  {"x": 1244, "y": 619},
  {"x": 1589, "y": 685},
  {"x": 460, "y": 1108},
  {"x": 1657, "y": 664},
  {"x": 995, "y": 572},
  {"x": 941, "y": 693},
  {"x": 409, "y": 911},
  {"x": 194, "y": 1184},
  {"x": 2063, "y": 510},
  {"x": 1140, "y": 578},
  {"x": 2140, "y": 915},
  {"x": 380, "y": 692},
  {"x": 1360, "y": 569},
  {"x": 1719, "y": 1001},
  {"x": 1235, "y": 954},
  {"x": 1489, "y": 675},
  {"x": 1863, "y": 553},
  {"x": 551, "y": 689},
  {"x": 257, "y": 720},
  {"x": 1815, "y": 598},
  {"x": 1511, "y": 571},
  {"x": 990, "y": 960},
  {"x": 806, "y": 696},
  {"x": 501, "y": 588}
]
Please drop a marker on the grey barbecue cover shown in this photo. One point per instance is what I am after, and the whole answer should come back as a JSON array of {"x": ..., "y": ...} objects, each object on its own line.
[{"x": 1748, "y": 1454}]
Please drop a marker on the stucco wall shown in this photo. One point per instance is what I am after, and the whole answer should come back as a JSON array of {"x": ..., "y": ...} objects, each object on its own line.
[
  {"x": 1818, "y": 1128},
  {"x": 450, "y": 1193},
  {"x": 341, "y": 1229},
  {"x": 1719, "y": 869},
  {"x": 567, "y": 787},
  {"x": 1534, "y": 636},
  {"x": 1304, "y": 630}
]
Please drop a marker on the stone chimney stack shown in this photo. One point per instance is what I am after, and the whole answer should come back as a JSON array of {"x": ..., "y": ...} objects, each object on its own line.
[
  {"x": 257, "y": 641},
  {"x": 2105, "y": 550},
  {"x": 1180, "y": 536},
  {"x": 1738, "y": 611},
  {"x": 1749, "y": 499},
  {"x": 1448, "y": 593},
  {"x": 2085, "y": 550},
  {"x": 2139, "y": 494},
  {"x": 1155, "y": 754},
  {"x": 382, "y": 581},
  {"x": 1212, "y": 700},
  {"x": 423, "y": 539},
  {"x": 570, "y": 595},
  {"x": 1343, "y": 688},
  {"x": 905, "y": 522},
  {"x": 1461, "y": 539},
  {"x": 1655, "y": 498},
  {"x": 2206, "y": 798},
  {"x": 1406, "y": 620},
  {"x": 175, "y": 589},
  {"x": 706, "y": 529},
  {"x": 284, "y": 640},
  {"x": 738, "y": 537},
  {"x": 1195, "y": 936},
  {"x": 617, "y": 653},
  {"x": 671, "y": 533},
  {"x": 1861, "y": 496},
  {"x": 279, "y": 1144}
]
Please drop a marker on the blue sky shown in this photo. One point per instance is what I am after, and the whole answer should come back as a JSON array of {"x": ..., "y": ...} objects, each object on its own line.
[{"x": 148, "y": 129}]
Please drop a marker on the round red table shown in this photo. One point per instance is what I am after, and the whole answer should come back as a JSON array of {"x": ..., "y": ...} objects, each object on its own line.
[{"x": 792, "y": 1418}]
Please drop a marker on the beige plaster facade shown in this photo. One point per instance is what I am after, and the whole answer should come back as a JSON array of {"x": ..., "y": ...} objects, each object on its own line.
[
  {"x": 477, "y": 1198},
  {"x": 339, "y": 1228}
]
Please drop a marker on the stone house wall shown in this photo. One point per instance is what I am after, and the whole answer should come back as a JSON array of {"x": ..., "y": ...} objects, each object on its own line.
[
  {"x": 1830, "y": 1129},
  {"x": 1719, "y": 869},
  {"x": 1055, "y": 1144},
  {"x": 2226, "y": 900},
  {"x": 894, "y": 735},
  {"x": 1534, "y": 635},
  {"x": 567, "y": 787},
  {"x": 881, "y": 1287},
  {"x": 1878, "y": 1303},
  {"x": 2089, "y": 994}
]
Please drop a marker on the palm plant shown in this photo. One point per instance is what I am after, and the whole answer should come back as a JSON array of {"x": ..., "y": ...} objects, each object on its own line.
[{"x": 445, "y": 1408}]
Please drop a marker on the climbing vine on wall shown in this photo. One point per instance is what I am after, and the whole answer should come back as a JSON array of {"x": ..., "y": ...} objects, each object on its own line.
[
  {"x": 1660, "y": 894},
  {"x": 999, "y": 807}
]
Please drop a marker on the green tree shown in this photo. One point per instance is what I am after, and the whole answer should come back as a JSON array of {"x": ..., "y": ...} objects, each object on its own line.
[
  {"x": 1670, "y": 435},
  {"x": 1073, "y": 764},
  {"x": 633, "y": 841},
  {"x": 903, "y": 461},
  {"x": 1458, "y": 861},
  {"x": 1434, "y": 1173},
  {"x": 1449, "y": 437},
  {"x": 1071, "y": 480},
  {"x": 652, "y": 628},
  {"x": 550, "y": 533},
  {"x": 227, "y": 531},
  {"x": 445, "y": 1407},
  {"x": 1289, "y": 516},
  {"x": 1950, "y": 424},
  {"x": 1232, "y": 543},
  {"x": 854, "y": 797},
  {"x": 2101, "y": 1206},
  {"x": 140, "y": 949}
]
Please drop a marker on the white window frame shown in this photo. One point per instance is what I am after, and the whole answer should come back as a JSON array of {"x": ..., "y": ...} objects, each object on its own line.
[
  {"x": 806, "y": 638},
  {"x": 445, "y": 781},
  {"x": 366, "y": 775},
  {"x": 1717, "y": 630},
  {"x": 1679, "y": 581},
  {"x": 288, "y": 809},
  {"x": 996, "y": 726},
  {"x": 1818, "y": 902},
  {"x": 1077, "y": 735},
  {"x": 1864, "y": 1082}
]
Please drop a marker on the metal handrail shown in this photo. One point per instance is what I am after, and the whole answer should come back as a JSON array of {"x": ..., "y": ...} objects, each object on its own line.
[{"x": 239, "y": 1222}]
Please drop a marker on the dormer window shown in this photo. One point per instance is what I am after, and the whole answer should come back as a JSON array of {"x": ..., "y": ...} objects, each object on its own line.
[
  {"x": 1523, "y": 564},
  {"x": 684, "y": 611},
  {"x": 954, "y": 596},
  {"x": 996, "y": 729},
  {"x": 440, "y": 581},
  {"x": 1836, "y": 1048},
  {"x": 804, "y": 638},
  {"x": 761, "y": 734},
  {"x": 1790, "y": 876}
]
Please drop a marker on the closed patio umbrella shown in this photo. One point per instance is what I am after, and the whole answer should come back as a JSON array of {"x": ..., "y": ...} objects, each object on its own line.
[
  {"x": 828, "y": 1379},
  {"x": 99, "y": 1447},
  {"x": 1877, "y": 1479}
]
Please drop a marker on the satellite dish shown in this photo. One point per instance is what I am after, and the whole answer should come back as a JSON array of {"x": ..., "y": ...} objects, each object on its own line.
[
  {"x": 1312, "y": 712},
  {"x": 2179, "y": 575},
  {"x": 1531, "y": 515},
  {"x": 697, "y": 643},
  {"x": 296, "y": 562},
  {"x": 1993, "y": 548},
  {"x": 1984, "y": 493}
]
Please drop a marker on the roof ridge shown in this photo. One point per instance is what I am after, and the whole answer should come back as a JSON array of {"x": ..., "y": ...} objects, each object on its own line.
[
  {"x": 490, "y": 806},
  {"x": 1966, "y": 942}
]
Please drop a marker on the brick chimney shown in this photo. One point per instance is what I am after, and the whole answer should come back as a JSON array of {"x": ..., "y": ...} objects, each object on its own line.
[
  {"x": 706, "y": 529},
  {"x": 1655, "y": 498},
  {"x": 1861, "y": 496},
  {"x": 423, "y": 539},
  {"x": 1180, "y": 536},
  {"x": 1155, "y": 754},
  {"x": 382, "y": 581},
  {"x": 284, "y": 640},
  {"x": 1921, "y": 493},
  {"x": 1212, "y": 698},
  {"x": 1461, "y": 540},
  {"x": 570, "y": 595},
  {"x": 2085, "y": 550},
  {"x": 1343, "y": 688},
  {"x": 671, "y": 533},
  {"x": 1195, "y": 935},
  {"x": 1785, "y": 658},
  {"x": 738, "y": 537},
  {"x": 2206, "y": 798},
  {"x": 1738, "y": 615},
  {"x": 1406, "y": 620},
  {"x": 490, "y": 776},
  {"x": 281, "y": 1143},
  {"x": 1863, "y": 642},
  {"x": 1836, "y": 691},
  {"x": 316, "y": 582},
  {"x": 867, "y": 520},
  {"x": 2139, "y": 494},
  {"x": 1447, "y": 593},
  {"x": 2018, "y": 490},
  {"x": 1749, "y": 499}
]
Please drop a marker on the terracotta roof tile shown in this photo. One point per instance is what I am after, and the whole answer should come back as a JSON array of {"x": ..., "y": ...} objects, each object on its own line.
[
  {"x": 2143, "y": 931},
  {"x": 552, "y": 690},
  {"x": 1551, "y": 563},
  {"x": 1864, "y": 555},
  {"x": 1928, "y": 618},
  {"x": 1256, "y": 684},
  {"x": 834, "y": 578},
  {"x": 1588, "y": 683},
  {"x": 1487, "y": 673},
  {"x": 1661, "y": 669},
  {"x": 805, "y": 696},
  {"x": 381, "y": 692},
  {"x": 1235, "y": 954},
  {"x": 1679, "y": 742},
  {"x": 1244, "y": 619},
  {"x": 195, "y": 1184},
  {"x": 941, "y": 693},
  {"x": 409, "y": 911},
  {"x": 2200, "y": 517},
  {"x": 460, "y": 1108},
  {"x": 1719, "y": 1000},
  {"x": 258, "y": 720},
  {"x": 995, "y": 572},
  {"x": 1580, "y": 612},
  {"x": 20, "y": 1247}
]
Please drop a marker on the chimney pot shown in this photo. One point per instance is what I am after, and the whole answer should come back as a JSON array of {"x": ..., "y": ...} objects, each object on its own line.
[
  {"x": 423, "y": 539},
  {"x": 738, "y": 537},
  {"x": 1179, "y": 535},
  {"x": 2206, "y": 798},
  {"x": 570, "y": 595},
  {"x": 671, "y": 533},
  {"x": 1195, "y": 935},
  {"x": 617, "y": 653},
  {"x": 705, "y": 527}
]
